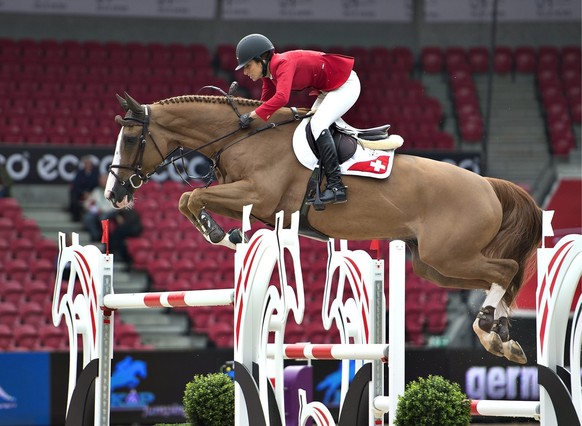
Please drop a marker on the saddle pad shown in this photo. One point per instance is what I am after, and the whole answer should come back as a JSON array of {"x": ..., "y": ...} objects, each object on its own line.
[{"x": 365, "y": 162}]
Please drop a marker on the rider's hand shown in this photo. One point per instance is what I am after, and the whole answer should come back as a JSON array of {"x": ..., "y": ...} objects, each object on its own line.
[{"x": 245, "y": 120}]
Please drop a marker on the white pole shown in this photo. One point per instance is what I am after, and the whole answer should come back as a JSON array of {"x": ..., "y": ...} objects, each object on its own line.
[
  {"x": 396, "y": 323},
  {"x": 506, "y": 408}
]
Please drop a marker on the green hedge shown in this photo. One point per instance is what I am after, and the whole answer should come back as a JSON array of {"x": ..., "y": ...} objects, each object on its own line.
[{"x": 433, "y": 401}]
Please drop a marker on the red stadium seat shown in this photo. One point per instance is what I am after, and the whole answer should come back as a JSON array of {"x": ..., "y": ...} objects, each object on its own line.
[
  {"x": 472, "y": 129},
  {"x": 548, "y": 57},
  {"x": 9, "y": 314},
  {"x": 570, "y": 57},
  {"x": 455, "y": 57},
  {"x": 525, "y": 59},
  {"x": 53, "y": 338},
  {"x": 32, "y": 313},
  {"x": 10, "y": 208},
  {"x": 12, "y": 291},
  {"x": 431, "y": 59},
  {"x": 478, "y": 57},
  {"x": 5, "y": 337},
  {"x": 26, "y": 337}
]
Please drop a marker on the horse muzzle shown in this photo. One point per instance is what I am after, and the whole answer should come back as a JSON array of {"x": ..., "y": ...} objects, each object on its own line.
[{"x": 119, "y": 197}]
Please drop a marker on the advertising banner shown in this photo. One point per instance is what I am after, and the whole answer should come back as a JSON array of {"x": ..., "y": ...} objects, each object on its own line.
[
  {"x": 59, "y": 164},
  {"x": 187, "y": 9},
  {"x": 318, "y": 10},
  {"x": 24, "y": 389},
  {"x": 147, "y": 387},
  {"x": 507, "y": 10}
]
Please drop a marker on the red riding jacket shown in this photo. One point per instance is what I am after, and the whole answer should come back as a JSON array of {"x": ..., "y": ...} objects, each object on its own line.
[{"x": 298, "y": 70}]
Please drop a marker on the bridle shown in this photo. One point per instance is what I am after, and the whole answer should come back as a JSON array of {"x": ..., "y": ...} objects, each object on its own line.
[{"x": 137, "y": 165}]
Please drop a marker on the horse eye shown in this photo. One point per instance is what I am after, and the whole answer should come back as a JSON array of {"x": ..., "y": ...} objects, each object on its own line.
[{"x": 131, "y": 140}]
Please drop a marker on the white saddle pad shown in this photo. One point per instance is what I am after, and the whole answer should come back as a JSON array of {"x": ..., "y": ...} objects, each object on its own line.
[{"x": 365, "y": 162}]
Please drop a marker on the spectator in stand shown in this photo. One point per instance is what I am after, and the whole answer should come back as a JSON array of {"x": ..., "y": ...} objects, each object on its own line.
[
  {"x": 97, "y": 208},
  {"x": 126, "y": 223},
  {"x": 86, "y": 180},
  {"x": 5, "y": 182}
]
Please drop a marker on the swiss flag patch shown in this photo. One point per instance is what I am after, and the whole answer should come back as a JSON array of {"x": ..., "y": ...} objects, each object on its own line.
[{"x": 378, "y": 165}]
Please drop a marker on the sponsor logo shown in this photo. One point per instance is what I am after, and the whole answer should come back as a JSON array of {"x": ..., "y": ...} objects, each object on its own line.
[
  {"x": 127, "y": 375},
  {"x": 510, "y": 383},
  {"x": 7, "y": 401}
]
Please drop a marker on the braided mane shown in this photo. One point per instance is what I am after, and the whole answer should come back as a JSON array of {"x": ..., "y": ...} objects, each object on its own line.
[{"x": 207, "y": 99}]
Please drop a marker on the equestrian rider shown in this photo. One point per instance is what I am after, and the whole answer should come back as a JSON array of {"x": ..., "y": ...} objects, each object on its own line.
[{"x": 330, "y": 75}]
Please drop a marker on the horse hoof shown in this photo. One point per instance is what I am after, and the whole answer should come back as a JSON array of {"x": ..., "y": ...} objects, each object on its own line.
[
  {"x": 216, "y": 235},
  {"x": 513, "y": 352},
  {"x": 236, "y": 236},
  {"x": 490, "y": 341}
]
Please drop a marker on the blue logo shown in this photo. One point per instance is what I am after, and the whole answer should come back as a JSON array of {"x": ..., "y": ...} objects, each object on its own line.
[
  {"x": 6, "y": 401},
  {"x": 127, "y": 374},
  {"x": 331, "y": 385}
]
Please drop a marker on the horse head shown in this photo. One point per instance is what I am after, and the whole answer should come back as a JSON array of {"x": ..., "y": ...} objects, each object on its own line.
[{"x": 137, "y": 153}]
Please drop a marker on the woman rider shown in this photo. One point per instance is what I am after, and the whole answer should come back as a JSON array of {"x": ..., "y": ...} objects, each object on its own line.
[{"x": 330, "y": 75}]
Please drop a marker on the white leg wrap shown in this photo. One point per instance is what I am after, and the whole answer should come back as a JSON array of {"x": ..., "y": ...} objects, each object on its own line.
[
  {"x": 501, "y": 311},
  {"x": 496, "y": 293}
]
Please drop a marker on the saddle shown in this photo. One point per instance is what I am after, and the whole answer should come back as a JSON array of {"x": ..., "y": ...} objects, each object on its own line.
[{"x": 347, "y": 138}]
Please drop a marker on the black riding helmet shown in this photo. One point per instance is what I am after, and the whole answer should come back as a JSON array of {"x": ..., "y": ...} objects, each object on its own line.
[{"x": 252, "y": 47}]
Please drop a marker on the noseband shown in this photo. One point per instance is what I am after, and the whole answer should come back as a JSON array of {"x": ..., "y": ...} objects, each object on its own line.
[{"x": 137, "y": 166}]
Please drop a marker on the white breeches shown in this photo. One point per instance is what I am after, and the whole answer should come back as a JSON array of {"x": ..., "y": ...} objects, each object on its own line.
[{"x": 330, "y": 106}]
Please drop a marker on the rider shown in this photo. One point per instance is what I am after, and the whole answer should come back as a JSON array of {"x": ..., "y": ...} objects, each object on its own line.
[{"x": 333, "y": 79}]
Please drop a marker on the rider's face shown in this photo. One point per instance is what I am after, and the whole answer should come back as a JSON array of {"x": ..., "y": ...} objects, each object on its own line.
[{"x": 253, "y": 70}]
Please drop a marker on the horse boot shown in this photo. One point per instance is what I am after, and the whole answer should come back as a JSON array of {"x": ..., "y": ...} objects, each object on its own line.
[{"x": 335, "y": 192}]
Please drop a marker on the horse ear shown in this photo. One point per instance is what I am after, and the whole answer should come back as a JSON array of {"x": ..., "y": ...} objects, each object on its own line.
[
  {"x": 123, "y": 102},
  {"x": 134, "y": 105}
]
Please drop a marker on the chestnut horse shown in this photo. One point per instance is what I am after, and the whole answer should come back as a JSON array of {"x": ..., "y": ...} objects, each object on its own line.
[{"x": 463, "y": 230}]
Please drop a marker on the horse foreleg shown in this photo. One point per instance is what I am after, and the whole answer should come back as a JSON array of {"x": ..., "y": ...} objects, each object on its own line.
[{"x": 226, "y": 200}]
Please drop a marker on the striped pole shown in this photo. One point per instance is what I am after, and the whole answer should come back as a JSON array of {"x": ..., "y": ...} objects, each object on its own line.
[
  {"x": 505, "y": 408},
  {"x": 169, "y": 299},
  {"x": 333, "y": 351}
]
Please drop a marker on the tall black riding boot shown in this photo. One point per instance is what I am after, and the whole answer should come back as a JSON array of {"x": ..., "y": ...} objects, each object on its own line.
[{"x": 335, "y": 191}]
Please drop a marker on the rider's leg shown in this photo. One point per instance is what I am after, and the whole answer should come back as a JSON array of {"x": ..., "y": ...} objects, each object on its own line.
[
  {"x": 335, "y": 191},
  {"x": 328, "y": 109}
]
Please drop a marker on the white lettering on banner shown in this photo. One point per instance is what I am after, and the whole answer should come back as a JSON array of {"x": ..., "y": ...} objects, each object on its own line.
[
  {"x": 18, "y": 166},
  {"x": 105, "y": 163},
  {"x": 52, "y": 167},
  {"x": 47, "y": 167},
  {"x": 187, "y": 9},
  {"x": 507, "y": 10},
  {"x": 510, "y": 383},
  {"x": 321, "y": 10}
]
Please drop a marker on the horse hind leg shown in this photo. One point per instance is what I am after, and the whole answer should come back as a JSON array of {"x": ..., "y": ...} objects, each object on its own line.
[
  {"x": 512, "y": 350},
  {"x": 492, "y": 327}
]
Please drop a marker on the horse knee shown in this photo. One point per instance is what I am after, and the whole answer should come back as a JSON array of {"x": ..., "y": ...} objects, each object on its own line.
[{"x": 183, "y": 203}]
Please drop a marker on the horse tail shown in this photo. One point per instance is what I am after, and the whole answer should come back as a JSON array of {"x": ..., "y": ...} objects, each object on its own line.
[{"x": 519, "y": 235}]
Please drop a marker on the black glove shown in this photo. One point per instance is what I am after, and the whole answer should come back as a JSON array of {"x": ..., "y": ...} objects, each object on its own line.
[{"x": 245, "y": 120}]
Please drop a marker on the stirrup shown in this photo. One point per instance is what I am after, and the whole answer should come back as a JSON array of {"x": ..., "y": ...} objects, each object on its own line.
[{"x": 334, "y": 195}]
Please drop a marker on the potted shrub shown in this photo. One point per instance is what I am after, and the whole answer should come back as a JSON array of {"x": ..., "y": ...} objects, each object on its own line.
[
  {"x": 433, "y": 401},
  {"x": 209, "y": 400}
]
